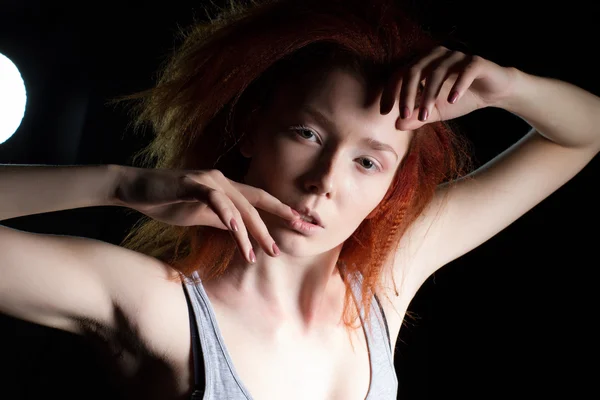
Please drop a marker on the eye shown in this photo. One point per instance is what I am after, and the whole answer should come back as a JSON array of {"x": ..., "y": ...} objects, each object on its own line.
[
  {"x": 369, "y": 165},
  {"x": 307, "y": 134},
  {"x": 304, "y": 132}
]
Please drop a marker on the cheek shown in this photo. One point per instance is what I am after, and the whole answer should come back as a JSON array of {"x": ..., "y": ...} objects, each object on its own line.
[{"x": 357, "y": 205}]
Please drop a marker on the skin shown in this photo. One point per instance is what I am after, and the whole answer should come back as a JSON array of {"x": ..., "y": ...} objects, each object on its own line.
[{"x": 325, "y": 168}]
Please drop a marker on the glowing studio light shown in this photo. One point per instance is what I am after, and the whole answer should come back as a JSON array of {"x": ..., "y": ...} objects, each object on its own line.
[{"x": 12, "y": 98}]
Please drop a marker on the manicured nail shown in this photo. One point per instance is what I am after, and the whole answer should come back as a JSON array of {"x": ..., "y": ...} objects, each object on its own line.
[
  {"x": 276, "y": 249},
  {"x": 405, "y": 113},
  {"x": 252, "y": 256},
  {"x": 453, "y": 96},
  {"x": 423, "y": 114},
  {"x": 233, "y": 225}
]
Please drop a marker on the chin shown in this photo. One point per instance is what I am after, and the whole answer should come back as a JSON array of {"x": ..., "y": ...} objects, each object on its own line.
[{"x": 296, "y": 244}]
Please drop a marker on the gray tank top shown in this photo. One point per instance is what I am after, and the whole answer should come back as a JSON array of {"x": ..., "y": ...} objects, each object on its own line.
[{"x": 217, "y": 379}]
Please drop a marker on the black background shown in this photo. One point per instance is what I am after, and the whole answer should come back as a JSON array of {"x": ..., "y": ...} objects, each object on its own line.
[{"x": 513, "y": 317}]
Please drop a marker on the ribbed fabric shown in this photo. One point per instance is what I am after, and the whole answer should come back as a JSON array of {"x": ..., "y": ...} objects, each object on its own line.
[{"x": 216, "y": 378}]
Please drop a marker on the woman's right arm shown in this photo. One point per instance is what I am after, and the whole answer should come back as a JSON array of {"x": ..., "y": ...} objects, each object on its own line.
[
  {"x": 70, "y": 282},
  {"x": 36, "y": 189},
  {"x": 64, "y": 282}
]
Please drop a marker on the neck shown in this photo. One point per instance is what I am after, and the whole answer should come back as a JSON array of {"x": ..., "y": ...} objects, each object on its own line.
[{"x": 306, "y": 290}]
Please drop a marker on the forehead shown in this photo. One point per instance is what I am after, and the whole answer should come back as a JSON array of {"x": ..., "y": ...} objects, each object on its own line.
[
  {"x": 346, "y": 99},
  {"x": 326, "y": 85}
]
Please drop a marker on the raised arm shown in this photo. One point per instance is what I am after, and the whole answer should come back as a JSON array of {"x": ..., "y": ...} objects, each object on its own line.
[
  {"x": 71, "y": 282},
  {"x": 62, "y": 282},
  {"x": 564, "y": 138},
  {"x": 36, "y": 189}
]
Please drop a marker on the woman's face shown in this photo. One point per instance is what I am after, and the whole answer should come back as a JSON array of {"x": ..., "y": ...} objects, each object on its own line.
[{"x": 326, "y": 147}]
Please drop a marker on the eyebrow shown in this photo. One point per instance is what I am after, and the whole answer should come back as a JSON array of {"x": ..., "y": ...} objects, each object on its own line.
[{"x": 330, "y": 125}]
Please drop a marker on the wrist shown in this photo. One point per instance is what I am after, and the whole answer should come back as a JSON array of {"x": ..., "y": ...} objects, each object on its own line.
[
  {"x": 516, "y": 92},
  {"x": 118, "y": 175}
]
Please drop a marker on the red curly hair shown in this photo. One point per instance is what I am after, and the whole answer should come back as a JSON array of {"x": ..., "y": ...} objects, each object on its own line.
[{"x": 224, "y": 74}]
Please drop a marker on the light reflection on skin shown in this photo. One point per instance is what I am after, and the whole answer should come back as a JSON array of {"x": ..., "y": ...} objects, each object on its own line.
[{"x": 310, "y": 150}]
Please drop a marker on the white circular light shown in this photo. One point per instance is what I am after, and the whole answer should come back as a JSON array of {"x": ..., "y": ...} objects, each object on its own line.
[{"x": 13, "y": 98}]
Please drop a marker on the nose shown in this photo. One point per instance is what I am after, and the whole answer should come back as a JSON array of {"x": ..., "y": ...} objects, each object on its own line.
[{"x": 322, "y": 178}]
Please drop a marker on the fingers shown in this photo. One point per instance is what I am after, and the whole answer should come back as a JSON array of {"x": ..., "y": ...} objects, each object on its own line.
[
  {"x": 405, "y": 82},
  {"x": 247, "y": 199},
  {"x": 465, "y": 79},
  {"x": 265, "y": 201},
  {"x": 433, "y": 69},
  {"x": 411, "y": 79},
  {"x": 435, "y": 81},
  {"x": 239, "y": 212},
  {"x": 230, "y": 216}
]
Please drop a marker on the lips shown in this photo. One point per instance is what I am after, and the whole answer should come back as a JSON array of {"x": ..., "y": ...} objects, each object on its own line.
[{"x": 305, "y": 211}]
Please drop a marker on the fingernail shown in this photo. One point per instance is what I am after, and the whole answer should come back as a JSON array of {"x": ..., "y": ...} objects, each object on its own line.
[
  {"x": 233, "y": 225},
  {"x": 453, "y": 96},
  {"x": 405, "y": 113},
  {"x": 296, "y": 213},
  {"x": 252, "y": 256},
  {"x": 276, "y": 249},
  {"x": 423, "y": 114}
]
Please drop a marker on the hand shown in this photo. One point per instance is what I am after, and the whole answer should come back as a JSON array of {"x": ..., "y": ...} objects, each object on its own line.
[
  {"x": 455, "y": 84},
  {"x": 208, "y": 198}
]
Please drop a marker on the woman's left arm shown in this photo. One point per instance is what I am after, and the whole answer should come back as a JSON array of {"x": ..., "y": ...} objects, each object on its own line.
[
  {"x": 463, "y": 215},
  {"x": 561, "y": 112}
]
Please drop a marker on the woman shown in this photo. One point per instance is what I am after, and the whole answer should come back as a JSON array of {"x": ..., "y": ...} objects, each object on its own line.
[{"x": 310, "y": 136}]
